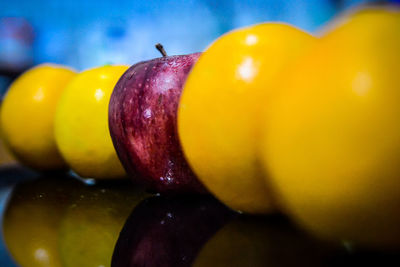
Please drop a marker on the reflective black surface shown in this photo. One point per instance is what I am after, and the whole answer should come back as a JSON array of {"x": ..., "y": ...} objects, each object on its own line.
[
  {"x": 10, "y": 175},
  {"x": 177, "y": 231},
  {"x": 169, "y": 231}
]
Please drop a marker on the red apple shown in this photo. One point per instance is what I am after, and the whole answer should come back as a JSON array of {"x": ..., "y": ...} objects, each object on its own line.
[{"x": 143, "y": 123}]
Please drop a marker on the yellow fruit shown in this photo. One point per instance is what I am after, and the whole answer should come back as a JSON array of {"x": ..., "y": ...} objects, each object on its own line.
[
  {"x": 332, "y": 139},
  {"x": 27, "y": 116},
  {"x": 219, "y": 112},
  {"x": 81, "y": 124}
]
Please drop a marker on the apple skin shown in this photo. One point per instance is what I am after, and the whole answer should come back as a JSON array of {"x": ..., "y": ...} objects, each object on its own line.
[
  {"x": 143, "y": 124},
  {"x": 169, "y": 230}
]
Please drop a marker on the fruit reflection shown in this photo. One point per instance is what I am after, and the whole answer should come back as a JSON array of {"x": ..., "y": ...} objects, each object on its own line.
[
  {"x": 264, "y": 241},
  {"x": 93, "y": 221},
  {"x": 32, "y": 219},
  {"x": 60, "y": 221},
  {"x": 169, "y": 231}
]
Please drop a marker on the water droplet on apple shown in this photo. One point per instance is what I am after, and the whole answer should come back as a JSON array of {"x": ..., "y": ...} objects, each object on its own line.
[{"x": 147, "y": 113}]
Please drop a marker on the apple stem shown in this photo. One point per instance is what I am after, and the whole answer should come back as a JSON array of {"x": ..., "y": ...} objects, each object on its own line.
[{"x": 161, "y": 49}]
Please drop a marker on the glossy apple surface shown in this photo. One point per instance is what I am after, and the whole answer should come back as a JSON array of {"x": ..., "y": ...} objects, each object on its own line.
[
  {"x": 169, "y": 231},
  {"x": 142, "y": 122}
]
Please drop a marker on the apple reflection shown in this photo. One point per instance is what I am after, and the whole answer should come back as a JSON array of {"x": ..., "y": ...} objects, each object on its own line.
[
  {"x": 169, "y": 231},
  {"x": 200, "y": 231}
]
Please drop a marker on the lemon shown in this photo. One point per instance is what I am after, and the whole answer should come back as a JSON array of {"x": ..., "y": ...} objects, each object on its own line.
[
  {"x": 219, "y": 111},
  {"x": 332, "y": 139},
  {"x": 81, "y": 124},
  {"x": 27, "y": 116}
]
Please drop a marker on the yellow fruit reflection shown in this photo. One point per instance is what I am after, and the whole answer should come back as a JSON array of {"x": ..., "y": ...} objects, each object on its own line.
[
  {"x": 332, "y": 142},
  {"x": 61, "y": 222},
  {"x": 258, "y": 242},
  {"x": 27, "y": 116},
  {"x": 92, "y": 223},
  {"x": 219, "y": 112},
  {"x": 81, "y": 124},
  {"x": 32, "y": 220}
]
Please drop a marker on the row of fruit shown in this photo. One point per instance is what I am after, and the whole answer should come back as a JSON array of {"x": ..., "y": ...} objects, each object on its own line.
[
  {"x": 270, "y": 118},
  {"x": 52, "y": 118}
]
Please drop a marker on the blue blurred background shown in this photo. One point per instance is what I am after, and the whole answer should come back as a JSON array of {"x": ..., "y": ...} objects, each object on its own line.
[
  {"x": 84, "y": 34},
  {"x": 88, "y": 33}
]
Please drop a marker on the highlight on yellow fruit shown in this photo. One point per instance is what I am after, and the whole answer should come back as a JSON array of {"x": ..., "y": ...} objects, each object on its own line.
[
  {"x": 219, "y": 113},
  {"x": 27, "y": 116},
  {"x": 81, "y": 124},
  {"x": 332, "y": 139}
]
